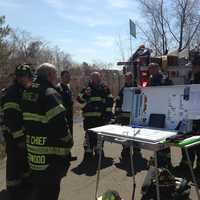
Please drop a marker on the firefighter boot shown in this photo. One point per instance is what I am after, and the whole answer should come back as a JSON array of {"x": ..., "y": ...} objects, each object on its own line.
[{"x": 87, "y": 156}]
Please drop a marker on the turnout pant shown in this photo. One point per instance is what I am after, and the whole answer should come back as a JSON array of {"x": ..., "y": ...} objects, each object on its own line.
[
  {"x": 17, "y": 172},
  {"x": 90, "y": 143},
  {"x": 48, "y": 191},
  {"x": 46, "y": 185}
]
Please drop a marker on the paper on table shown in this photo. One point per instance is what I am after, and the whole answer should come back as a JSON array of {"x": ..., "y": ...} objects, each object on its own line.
[{"x": 145, "y": 134}]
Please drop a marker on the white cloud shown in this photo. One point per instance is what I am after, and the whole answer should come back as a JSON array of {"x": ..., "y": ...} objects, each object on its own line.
[
  {"x": 63, "y": 41},
  {"x": 104, "y": 41},
  {"x": 89, "y": 20},
  {"x": 120, "y": 3},
  {"x": 85, "y": 54},
  {"x": 9, "y": 4},
  {"x": 84, "y": 8},
  {"x": 57, "y": 4},
  {"x": 86, "y": 13},
  {"x": 87, "y": 51}
]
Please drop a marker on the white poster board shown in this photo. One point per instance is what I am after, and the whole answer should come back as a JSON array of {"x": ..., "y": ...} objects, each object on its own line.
[{"x": 175, "y": 102}]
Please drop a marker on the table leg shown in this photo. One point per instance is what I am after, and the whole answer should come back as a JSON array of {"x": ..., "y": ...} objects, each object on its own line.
[
  {"x": 132, "y": 171},
  {"x": 157, "y": 174},
  {"x": 192, "y": 173},
  {"x": 99, "y": 165}
]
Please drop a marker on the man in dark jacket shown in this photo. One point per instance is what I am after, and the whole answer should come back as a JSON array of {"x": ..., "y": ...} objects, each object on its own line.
[
  {"x": 123, "y": 118},
  {"x": 97, "y": 104},
  {"x": 67, "y": 97},
  {"x": 48, "y": 138},
  {"x": 16, "y": 167},
  {"x": 157, "y": 79}
]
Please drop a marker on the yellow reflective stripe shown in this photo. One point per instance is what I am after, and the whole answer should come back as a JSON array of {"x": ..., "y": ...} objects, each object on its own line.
[
  {"x": 92, "y": 114},
  {"x": 13, "y": 183},
  {"x": 110, "y": 96},
  {"x": 38, "y": 167},
  {"x": 54, "y": 111},
  {"x": 81, "y": 97},
  {"x": 34, "y": 117},
  {"x": 117, "y": 98},
  {"x": 118, "y": 109},
  {"x": 44, "y": 118},
  {"x": 17, "y": 134},
  {"x": 4, "y": 128},
  {"x": 94, "y": 99},
  {"x": 109, "y": 109},
  {"x": 25, "y": 174},
  {"x": 48, "y": 150},
  {"x": 11, "y": 105},
  {"x": 124, "y": 114}
]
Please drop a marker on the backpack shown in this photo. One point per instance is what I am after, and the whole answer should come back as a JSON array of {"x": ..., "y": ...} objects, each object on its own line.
[{"x": 170, "y": 187}]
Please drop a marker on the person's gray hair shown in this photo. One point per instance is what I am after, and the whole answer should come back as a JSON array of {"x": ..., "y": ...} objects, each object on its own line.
[{"x": 44, "y": 69}]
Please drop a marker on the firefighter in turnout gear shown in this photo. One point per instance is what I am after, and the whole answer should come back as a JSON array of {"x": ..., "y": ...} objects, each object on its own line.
[
  {"x": 48, "y": 138},
  {"x": 67, "y": 97},
  {"x": 97, "y": 104},
  {"x": 122, "y": 117},
  {"x": 16, "y": 167}
]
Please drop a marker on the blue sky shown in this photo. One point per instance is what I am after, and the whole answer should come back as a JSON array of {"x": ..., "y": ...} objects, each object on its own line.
[{"x": 87, "y": 29}]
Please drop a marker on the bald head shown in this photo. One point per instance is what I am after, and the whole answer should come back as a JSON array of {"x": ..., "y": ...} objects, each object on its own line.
[
  {"x": 95, "y": 78},
  {"x": 48, "y": 72}
]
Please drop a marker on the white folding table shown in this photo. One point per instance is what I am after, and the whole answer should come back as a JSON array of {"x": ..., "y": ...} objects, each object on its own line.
[{"x": 145, "y": 138}]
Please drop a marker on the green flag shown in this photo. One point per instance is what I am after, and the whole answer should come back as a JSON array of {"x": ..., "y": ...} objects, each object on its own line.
[{"x": 132, "y": 28}]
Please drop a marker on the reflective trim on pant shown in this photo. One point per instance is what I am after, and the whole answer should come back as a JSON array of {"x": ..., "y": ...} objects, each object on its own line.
[
  {"x": 26, "y": 175},
  {"x": 13, "y": 183},
  {"x": 109, "y": 109},
  {"x": 86, "y": 144},
  {"x": 125, "y": 114},
  {"x": 38, "y": 167},
  {"x": 90, "y": 142},
  {"x": 92, "y": 114}
]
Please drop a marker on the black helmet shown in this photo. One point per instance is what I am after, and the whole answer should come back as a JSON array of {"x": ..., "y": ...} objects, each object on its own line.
[{"x": 23, "y": 70}]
